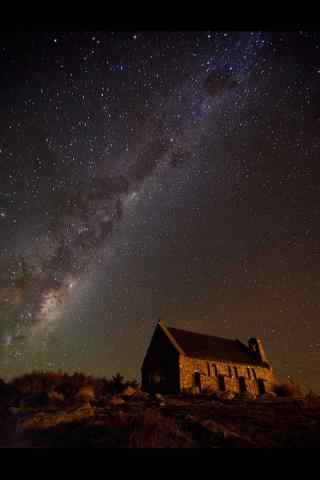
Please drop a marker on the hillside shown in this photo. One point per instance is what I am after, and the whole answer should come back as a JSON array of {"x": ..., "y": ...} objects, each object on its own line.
[{"x": 137, "y": 420}]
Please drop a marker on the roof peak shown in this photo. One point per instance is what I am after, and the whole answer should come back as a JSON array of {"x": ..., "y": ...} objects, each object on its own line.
[
  {"x": 201, "y": 345},
  {"x": 200, "y": 333},
  {"x": 167, "y": 332}
]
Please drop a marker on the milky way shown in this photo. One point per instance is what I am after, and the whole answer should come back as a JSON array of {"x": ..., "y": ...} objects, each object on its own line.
[{"x": 104, "y": 131}]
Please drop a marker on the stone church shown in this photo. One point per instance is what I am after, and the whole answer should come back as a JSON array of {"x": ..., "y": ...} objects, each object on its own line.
[{"x": 181, "y": 361}]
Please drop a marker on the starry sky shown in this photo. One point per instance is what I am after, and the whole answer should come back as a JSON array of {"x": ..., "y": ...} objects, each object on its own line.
[{"x": 158, "y": 174}]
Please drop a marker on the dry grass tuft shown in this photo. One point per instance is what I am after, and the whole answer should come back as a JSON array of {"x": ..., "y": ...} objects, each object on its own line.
[
  {"x": 312, "y": 400},
  {"x": 153, "y": 430}
]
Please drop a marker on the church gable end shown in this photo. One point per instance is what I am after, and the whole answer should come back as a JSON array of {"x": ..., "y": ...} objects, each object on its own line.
[{"x": 160, "y": 369}]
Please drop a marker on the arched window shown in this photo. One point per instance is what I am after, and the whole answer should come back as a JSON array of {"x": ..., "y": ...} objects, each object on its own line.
[
  {"x": 236, "y": 372},
  {"x": 249, "y": 373},
  {"x": 209, "y": 372},
  {"x": 229, "y": 371}
]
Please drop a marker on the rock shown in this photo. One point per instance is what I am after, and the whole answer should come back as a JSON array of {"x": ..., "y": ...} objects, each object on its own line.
[
  {"x": 215, "y": 427},
  {"x": 225, "y": 395},
  {"x": 246, "y": 396},
  {"x": 220, "y": 434},
  {"x": 38, "y": 421},
  {"x": 140, "y": 395},
  {"x": 218, "y": 403},
  {"x": 129, "y": 392},
  {"x": 159, "y": 397},
  {"x": 43, "y": 420},
  {"x": 116, "y": 401}
]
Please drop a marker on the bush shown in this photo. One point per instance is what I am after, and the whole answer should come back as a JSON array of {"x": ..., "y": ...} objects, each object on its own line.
[
  {"x": 288, "y": 389},
  {"x": 70, "y": 385},
  {"x": 101, "y": 388},
  {"x": 86, "y": 393},
  {"x": 129, "y": 392},
  {"x": 117, "y": 385},
  {"x": 40, "y": 385},
  {"x": 35, "y": 383},
  {"x": 312, "y": 400}
]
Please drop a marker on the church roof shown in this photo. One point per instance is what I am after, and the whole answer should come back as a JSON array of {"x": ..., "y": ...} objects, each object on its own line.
[{"x": 197, "y": 345}]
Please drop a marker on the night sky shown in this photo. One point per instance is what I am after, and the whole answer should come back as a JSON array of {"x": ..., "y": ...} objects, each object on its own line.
[{"x": 148, "y": 175}]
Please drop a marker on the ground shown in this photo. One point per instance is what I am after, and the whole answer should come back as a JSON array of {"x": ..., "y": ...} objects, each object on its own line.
[{"x": 168, "y": 422}]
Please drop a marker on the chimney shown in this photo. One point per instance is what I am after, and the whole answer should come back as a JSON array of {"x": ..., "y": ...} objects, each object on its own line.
[{"x": 256, "y": 347}]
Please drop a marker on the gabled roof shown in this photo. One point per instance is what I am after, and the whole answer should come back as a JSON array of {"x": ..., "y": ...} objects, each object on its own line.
[{"x": 208, "y": 347}]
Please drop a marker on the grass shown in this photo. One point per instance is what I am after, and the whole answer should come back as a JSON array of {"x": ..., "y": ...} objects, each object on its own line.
[
  {"x": 153, "y": 430},
  {"x": 144, "y": 429}
]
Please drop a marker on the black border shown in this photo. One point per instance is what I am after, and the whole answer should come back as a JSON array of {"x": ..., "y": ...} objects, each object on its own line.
[{"x": 197, "y": 464}]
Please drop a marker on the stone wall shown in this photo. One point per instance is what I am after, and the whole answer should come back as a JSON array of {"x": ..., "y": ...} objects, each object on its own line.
[{"x": 212, "y": 373}]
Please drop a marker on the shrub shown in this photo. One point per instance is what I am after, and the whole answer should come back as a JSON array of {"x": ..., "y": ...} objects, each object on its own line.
[
  {"x": 129, "y": 392},
  {"x": 134, "y": 384},
  {"x": 101, "y": 387},
  {"x": 312, "y": 399},
  {"x": 44, "y": 383},
  {"x": 41, "y": 385},
  {"x": 86, "y": 393},
  {"x": 70, "y": 385},
  {"x": 118, "y": 385},
  {"x": 35, "y": 383},
  {"x": 288, "y": 389}
]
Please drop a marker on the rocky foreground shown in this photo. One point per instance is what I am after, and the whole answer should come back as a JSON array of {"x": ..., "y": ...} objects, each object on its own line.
[{"x": 138, "y": 420}]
